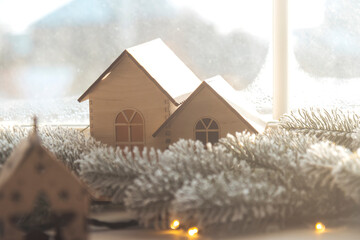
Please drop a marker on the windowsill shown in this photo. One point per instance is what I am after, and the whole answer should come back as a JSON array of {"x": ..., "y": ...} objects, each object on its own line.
[
  {"x": 331, "y": 233},
  {"x": 296, "y": 234}
]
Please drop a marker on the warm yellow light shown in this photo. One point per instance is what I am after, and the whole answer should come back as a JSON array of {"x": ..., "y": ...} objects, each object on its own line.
[
  {"x": 175, "y": 224},
  {"x": 319, "y": 227},
  {"x": 192, "y": 231}
]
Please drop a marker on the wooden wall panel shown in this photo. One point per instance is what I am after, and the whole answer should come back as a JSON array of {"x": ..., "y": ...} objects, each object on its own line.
[
  {"x": 38, "y": 173},
  {"x": 204, "y": 104},
  {"x": 128, "y": 87}
]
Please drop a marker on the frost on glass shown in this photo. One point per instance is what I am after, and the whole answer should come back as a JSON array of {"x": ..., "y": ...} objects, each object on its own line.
[
  {"x": 324, "y": 54},
  {"x": 62, "y": 49},
  {"x": 59, "y": 53},
  {"x": 324, "y": 64}
]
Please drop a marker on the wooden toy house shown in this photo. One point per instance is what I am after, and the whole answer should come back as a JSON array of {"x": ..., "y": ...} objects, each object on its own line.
[
  {"x": 149, "y": 97},
  {"x": 32, "y": 177},
  {"x": 209, "y": 113}
]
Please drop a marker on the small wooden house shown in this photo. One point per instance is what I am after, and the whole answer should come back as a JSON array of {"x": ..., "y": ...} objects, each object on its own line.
[
  {"x": 211, "y": 112},
  {"x": 31, "y": 178},
  {"x": 149, "y": 97}
]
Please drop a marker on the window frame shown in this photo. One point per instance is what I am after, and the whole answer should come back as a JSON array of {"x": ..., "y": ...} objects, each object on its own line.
[
  {"x": 130, "y": 144},
  {"x": 280, "y": 58},
  {"x": 206, "y": 130}
]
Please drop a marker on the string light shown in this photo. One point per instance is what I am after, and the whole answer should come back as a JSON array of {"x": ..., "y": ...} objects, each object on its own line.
[
  {"x": 192, "y": 231},
  {"x": 175, "y": 224},
  {"x": 319, "y": 227}
]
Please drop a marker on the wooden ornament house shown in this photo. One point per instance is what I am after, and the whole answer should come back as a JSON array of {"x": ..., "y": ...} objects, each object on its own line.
[
  {"x": 149, "y": 97},
  {"x": 32, "y": 176}
]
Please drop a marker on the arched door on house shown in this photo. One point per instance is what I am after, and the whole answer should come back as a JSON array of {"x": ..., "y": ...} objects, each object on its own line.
[
  {"x": 207, "y": 130},
  {"x": 129, "y": 129}
]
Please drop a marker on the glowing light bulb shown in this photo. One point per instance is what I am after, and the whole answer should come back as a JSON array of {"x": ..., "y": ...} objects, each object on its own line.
[
  {"x": 319, "y": 227},
  {"x": 192, "y": 231},
  {"x": 175, "y": 224}
]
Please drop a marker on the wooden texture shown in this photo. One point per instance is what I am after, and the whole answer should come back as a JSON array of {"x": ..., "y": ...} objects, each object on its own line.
[
  {"x": 128, "y": 87},
  {"x": 129, "y": 129},
  {"x": 151, "y": 80},
  {"x": 234, "y": 100},
  {"x": 204, "y": 103},
  {"x": 229, "y": 99},
  {"x": 161, "y": 66},
  {"x": 31, "y": 172}
]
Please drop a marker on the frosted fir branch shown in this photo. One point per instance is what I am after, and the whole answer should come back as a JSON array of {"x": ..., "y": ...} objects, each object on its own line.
[
  {"x": 5, "y": 151},
  {"x": 10, "y": 137},
  {"x": 252, "y": 181},
  {"x": 151, "y": 194},
  {"x": 274, "y": 150},
  {"x": 67, "y": 144},
  {"x": 347, "y": 176},
  {"x": 318, "y": 165},
  {"x": 232, "y": 202},
  {"x": 355, "y": 144},
  {"x": 109, "y": 171},
  {"x": 320, "y": 160},
  {"x": 320, "y": 119},
  {"x": 251, "y": 199},
  {"x": 334, "y": 125},
  {"x": 276, "y": 153}
]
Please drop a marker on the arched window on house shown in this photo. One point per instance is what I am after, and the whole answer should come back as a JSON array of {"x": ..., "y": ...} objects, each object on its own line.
[
  {"x": 207, "y": 130},
  {"x": 129, "y": 129}
]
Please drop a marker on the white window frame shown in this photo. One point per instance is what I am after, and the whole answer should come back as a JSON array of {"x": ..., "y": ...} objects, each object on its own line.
[{"x": 280, "y": 58}]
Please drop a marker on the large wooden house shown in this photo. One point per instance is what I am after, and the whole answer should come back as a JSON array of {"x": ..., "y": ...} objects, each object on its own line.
[{"x": 149, "y": 97}]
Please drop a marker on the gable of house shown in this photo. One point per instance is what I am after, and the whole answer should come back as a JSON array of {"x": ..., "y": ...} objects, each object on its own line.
[
  {"x": 32, "y": 168},
  {"x": 241, "y": 106},
  {"x": 206, "y": 104},
  {"x": 30, "y": 172},
  {"x": 148, "y": 80},
  {"x": 161, "y": 66},
  {"x": 127, "y": 90}
]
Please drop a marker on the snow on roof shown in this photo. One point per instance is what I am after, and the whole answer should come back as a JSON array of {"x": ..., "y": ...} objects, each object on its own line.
[
  {"x": 234, "y": 98},
  {"x": 231, "y": 98},
  {"x": 162, "y": 66},
  {"x": 165, "y": 68}
]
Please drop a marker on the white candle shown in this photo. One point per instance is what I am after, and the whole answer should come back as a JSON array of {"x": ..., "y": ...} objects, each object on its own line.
[{"x": 280, "y": 57}]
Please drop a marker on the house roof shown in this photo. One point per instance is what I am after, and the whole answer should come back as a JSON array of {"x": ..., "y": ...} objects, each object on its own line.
[
  {"x": 237, "y": 102},
  {"x": 17, "y": 158},
  {"x": 230, "y": 98},
  {"x": 20, "y": 155},
  {"x": 162, "y": 66}
]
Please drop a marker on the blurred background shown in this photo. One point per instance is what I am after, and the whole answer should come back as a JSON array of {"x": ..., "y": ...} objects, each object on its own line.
[{"x": 52, "y": 51}]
